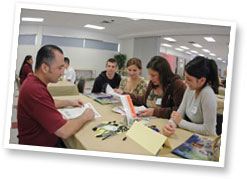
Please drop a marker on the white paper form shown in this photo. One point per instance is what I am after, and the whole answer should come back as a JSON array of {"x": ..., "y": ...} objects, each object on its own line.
[
  {"x": 71, "y": 113},
  {"x": 109, "y": 90}
]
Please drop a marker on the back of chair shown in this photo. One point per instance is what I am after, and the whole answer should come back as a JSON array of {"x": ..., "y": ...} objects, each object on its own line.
[
  {"x": 81, "y": 85},
  {"x": 17, "y": 80},
  {"x": 219, "y": 122}
]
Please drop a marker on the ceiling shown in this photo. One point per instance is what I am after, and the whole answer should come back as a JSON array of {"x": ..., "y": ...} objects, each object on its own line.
[{"x": 122, "y": 27}]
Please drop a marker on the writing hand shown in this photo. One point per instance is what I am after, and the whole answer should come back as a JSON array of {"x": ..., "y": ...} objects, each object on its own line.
[
  {"x": 169, "y": 129},
  {"x": 146, "y": 112}
]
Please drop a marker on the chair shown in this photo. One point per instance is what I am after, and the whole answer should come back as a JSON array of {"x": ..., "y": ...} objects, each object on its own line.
[
  {"x": 219, "y": 121},
  {"x": 81, "y": 85},
  {"x": 17, "y": 80}
]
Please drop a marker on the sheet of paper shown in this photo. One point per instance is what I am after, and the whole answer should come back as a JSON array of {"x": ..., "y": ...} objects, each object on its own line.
[
  {"x": 149, "y": 139},
  {"x": 71, "y": 113},
  {"x": 110, "y": 91}
]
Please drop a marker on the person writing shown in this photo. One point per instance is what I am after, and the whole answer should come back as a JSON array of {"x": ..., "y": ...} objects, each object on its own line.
[
  {"x": 26, "y": 68},
  {"x": 134, "y": 83},
  {"x": 198, "y": 110},
  {"x": 164, "y": 92},
  {"x": 107, "y": 77},
  {"x": 39, "y": 122}
]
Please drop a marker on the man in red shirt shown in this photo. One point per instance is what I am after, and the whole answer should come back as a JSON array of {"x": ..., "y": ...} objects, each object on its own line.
[{"x": 39, "y": 122}]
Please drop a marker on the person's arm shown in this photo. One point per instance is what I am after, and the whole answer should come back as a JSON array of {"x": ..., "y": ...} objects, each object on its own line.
[
  {"x": 209, "y": 113},
  {"x": 64, "y": 103},
  {"x": 73, "y": 125}
]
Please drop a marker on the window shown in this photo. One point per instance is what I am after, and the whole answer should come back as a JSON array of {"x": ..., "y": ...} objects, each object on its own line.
[
  {"x": 27, "y": 39},
  {"x": 62, "y": 41}
]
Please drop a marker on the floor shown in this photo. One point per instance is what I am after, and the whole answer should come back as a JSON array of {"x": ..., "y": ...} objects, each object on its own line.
[{"x": 14, "y": 130}]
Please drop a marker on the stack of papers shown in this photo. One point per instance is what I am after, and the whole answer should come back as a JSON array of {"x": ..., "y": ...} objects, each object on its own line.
[{"x": 71, "y": 113}]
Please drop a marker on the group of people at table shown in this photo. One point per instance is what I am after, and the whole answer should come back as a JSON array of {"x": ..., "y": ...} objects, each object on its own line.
[{"x": 192, "y": 107}]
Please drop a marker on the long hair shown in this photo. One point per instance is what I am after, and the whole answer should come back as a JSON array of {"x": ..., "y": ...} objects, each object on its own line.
[
  {"x": 202, "y": 67},
  {"x": 25, "y": 62},
  {"x": 161, "y": 65}
]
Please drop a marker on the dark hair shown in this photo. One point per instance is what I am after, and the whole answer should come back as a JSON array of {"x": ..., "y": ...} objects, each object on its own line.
[
  {"x": 28, "y": 57},
  {"x": 112, "y": 60},
  {"x": 46, "y": 55},
  {"x": 161, "y": 65},
  {"x": 202, "y": 67},
  {"x": 135, "y": 61},
  {"x": 66, "y": 60}
]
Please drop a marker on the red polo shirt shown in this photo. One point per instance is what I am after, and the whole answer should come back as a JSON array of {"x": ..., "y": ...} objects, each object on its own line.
[{"x": 37, "y": 115}]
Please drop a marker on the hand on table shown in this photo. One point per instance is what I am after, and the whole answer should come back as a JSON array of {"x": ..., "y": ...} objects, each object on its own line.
[
  {"x": 119, "y": 91},
  {"x": 88, "y": 114},
  {"x": 146, "y": 112},
  {"x": 176, "y": 117},
  {"x": 169, "y": 129},
  {"x": 76, "y": 103}
]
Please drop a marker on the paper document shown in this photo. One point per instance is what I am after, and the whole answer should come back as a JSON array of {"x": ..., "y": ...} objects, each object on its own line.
[
  {"x": 149, "y": 139},
  {"x": 71, "y": 113},
  {"x": 109, "y": 90}
]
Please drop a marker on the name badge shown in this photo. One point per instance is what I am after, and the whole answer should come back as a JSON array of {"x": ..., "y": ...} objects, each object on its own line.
[
  {"x": 194, "y": 109},
  {"x": 158, "y": 101}
]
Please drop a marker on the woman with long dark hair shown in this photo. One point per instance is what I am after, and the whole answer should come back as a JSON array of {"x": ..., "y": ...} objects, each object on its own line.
[
  {"x": 164, "y": 92},
  {"x": 198, "y": 109},
  {"x": 26, "y": 68}
]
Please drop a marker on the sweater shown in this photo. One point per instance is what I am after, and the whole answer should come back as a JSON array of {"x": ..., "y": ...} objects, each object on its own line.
[
  {"x": 202, "y": 111},
  {"x": 165, "y": 110}
]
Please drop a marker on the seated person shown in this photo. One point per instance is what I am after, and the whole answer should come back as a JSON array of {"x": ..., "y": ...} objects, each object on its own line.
[
  {"x": 164, "y": 92},
  {"x": 26, "y": 68},
  {"x": 134, "y": 83},
  {"x": 69, "y": 72},
  {"x": 198, "y": 110},
  {"x": 107, "y": 77},
  {"x": 39, "y": 122}
]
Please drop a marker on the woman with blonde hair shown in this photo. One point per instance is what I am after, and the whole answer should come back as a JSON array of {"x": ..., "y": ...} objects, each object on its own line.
[{"x": 134, "y": 83}]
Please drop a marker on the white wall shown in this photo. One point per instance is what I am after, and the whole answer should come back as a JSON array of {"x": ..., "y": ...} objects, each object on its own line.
[{"x": 81, "y": 58}]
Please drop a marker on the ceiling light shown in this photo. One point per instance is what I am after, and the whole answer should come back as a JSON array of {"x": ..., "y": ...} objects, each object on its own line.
[
  {"x": 179, "y": 49},
  {"x": 166, "y": 45},
  {"x": 188, "y": 53},
  {"x": 197, "y": 45},
  {"x": 224, "y": 61},
  {"x": 170, "y": 39},
  {"x": 193, "y": 51},
  {"x": 32, "y": 19},
  {"x": 201, "y": 55},
  {"x": 209, "y": 39},
  {"x": 212, "y": 54},
  {"x": 94, "y": 27},
  {"x": 219, "y": 58},
  {"x": 206, "y": 50},
  {"x": 184, "y": 47}
]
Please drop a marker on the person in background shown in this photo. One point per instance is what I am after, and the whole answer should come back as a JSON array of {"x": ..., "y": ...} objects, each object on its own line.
[
  {"x": 26, "y": 68},
  {"x": 39, "y": 122},
  {"x": 164, "y": 92},
  {"x": 69, "y": 72},
  {"x": 134, "y": 83},
  {"x": 107, "y": 77},
  {"x": 198, "y": 110}
]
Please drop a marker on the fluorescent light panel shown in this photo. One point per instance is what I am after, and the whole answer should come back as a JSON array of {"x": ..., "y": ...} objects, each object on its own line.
[
  {"x": 197, "y": 45},
  {"x": 209, "y": 39},
  {"x": 32, "y": 19},
  {"x": 212, "y": 54},
  {"x": 179, "y": 49},
  {"x": 206, "y": 50},
  {"x": 94, "y": 27},
  {"x": 193, "y": 51},
  {"x": 184, "y": 47},
  {"x": 166, "y": 45},
  {"x": 170, "y": 39}
]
